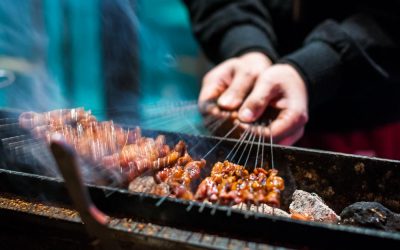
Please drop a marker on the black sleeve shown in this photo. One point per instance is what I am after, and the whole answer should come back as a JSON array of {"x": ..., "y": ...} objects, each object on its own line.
[
  {"x": 362, "y": 44},
  {"x": 228, "y": 28}
]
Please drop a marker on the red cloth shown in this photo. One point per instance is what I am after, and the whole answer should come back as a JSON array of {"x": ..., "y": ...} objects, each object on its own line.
[{"x": 383, "y": 141}]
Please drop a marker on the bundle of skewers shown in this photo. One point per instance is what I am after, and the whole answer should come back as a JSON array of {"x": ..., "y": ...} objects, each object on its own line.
[{"x": 150, "y": 164}]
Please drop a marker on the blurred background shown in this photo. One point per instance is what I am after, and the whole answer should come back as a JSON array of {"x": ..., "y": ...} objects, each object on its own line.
[{"x": 134, "y": 61}]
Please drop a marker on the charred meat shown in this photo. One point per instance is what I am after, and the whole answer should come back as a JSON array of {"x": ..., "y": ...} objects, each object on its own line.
[{"x": 230, "y": 183}]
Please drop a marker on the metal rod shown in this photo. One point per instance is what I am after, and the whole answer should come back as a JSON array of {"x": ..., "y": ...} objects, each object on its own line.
[
  {"x": 241, "y": 138},
  {"x": 216, "y": 145},
  {"x": 161, "y": 200},
  {"x": 202, "y": 207},
  {"x": 215, "y": 208},
  {"x": 263, "y": 143},
  {"x": 247, "y": 144},
  {"x": 191, "y": 204},
  {"x": 270, "y": 144},
  {"x": 251, "y": 147},
  {"x": 258, "y": 146},
  {"x": 240, "y": 143}
]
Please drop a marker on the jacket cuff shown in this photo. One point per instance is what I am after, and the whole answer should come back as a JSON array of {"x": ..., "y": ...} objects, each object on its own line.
[
  {"x": 245, "y": 38},
  {"x": 321, "y": 68}
]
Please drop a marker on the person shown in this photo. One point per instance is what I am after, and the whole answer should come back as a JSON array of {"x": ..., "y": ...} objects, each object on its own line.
[{"x": 332, "y": 65}]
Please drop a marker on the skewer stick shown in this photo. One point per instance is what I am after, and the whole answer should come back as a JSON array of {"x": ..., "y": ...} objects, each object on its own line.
[
  {"x": 229, "y": 212},
  {"x": 238, "y": 143},
  {"x": 248, "y": 212},
  {"x": 244, "y": 150},
  {"x": 258, "y": 146},
  {"x": 202, "y": 207},
  {"x": 161, "y": 200},
  {"x": 191, "y": 204},
  {"x": 251, "y": 147},
  {"x": 270, "y": 144},
  {"x": 215, "y": 207},
  {"x": 263, "y": 143},
  {"x": 216, "y": 145},
  {"x": 216, "y": 125}
]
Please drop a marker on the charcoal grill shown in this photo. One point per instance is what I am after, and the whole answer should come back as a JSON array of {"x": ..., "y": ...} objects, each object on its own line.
[{"x": 340, "y": 179}]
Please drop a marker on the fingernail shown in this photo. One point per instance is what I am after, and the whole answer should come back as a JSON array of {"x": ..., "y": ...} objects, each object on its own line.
[
  {"x": 246, "y": 115},
  {"x": 225, "y": 100}
]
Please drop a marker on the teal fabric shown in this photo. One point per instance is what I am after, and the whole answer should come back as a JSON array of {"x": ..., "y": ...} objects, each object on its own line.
[
  {"x": 86, "y": 74},
  {"x": 169, "y": 57},
  {"x": 74, "y": 50},
  {"x": 166, "y": 44}
]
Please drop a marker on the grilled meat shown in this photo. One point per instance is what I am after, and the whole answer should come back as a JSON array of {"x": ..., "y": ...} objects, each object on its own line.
[
  {"x": 232, "y": 184},
  {"x": 169, "y": 171},
  {"x": 180, "y": 177}
]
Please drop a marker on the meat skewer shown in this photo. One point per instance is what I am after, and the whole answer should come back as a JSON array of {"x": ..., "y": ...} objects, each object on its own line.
[
  {"x": 231, "y": 183},
  {"x": 150, "y": 164}
]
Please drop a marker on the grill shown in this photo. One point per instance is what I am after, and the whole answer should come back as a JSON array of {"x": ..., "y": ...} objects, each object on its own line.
[{"x": 145, "y": 220}]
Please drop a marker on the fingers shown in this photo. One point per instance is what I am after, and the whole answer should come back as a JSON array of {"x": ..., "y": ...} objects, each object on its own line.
[
  {"x": 241, "y": 85},
  {"x": 261, "y": 95},
  {"x": 231, "y": 81},
  {"x": 216, "y": 81},
  {"x": 285, "y": 128},
  {"x": 292, "y": 139},
  {"x": 287, "y": 140}
]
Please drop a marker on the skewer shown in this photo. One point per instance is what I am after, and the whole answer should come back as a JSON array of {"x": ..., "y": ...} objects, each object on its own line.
[
  {"x": 257, "y": 204},
  {"x": 270, "y": 144},
  {"x": 238, "y": 143},
  {"x": 160, "y": 121},
  {"x": 6, "y": 125},
  {"x": 251, "y": 147},
  {"x": 202, "y": 207},
  {"x": 217, "y": 125},
  {"x": 191, "y": 204},
  {"x": 160, "y": 108},
  {"x": 215, "y": 207},
  {"x": 209, "y": 119},
  {"x": 213, "y": 121},
  {"x": 229, "y": 211},
  {"x": 216, "y": 145},
  {"x": 258, "y": 146},
  {"x": 7, "y": 119},
  {"x": 248, "y": 212},
  {"x": 161, "y": 200},
  {"x": 262, "y": 148},
  {"x": 247, "y": 144}
]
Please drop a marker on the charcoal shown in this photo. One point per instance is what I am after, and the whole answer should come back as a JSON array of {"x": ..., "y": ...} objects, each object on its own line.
[
  {"x": 372, "y": 215},
  {"x": 311, "y": 206},
  {"x": 262, "y": 208},
  {"x": 147, "y": 184}
]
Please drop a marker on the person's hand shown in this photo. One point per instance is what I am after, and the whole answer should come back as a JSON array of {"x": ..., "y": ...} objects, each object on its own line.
[
  {"x": 280, "y": 87},
  {"x": 229, "y": 83}
]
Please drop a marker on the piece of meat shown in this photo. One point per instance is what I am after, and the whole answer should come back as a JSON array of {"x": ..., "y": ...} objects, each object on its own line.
[
  {"x": 232, "y": 184},
  {"x": 312, "y": 207},
  {"x": 179, "y": 178}
]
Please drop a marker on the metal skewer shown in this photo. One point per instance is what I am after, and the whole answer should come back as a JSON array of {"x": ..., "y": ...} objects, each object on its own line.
[{"x": 270, "y": 144}]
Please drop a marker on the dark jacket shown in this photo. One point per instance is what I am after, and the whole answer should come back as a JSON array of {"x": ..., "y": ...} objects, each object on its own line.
[{"x": 348, "y": 52}]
